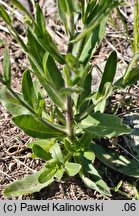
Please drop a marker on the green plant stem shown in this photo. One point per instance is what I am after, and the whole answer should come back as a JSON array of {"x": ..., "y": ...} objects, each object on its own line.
[
  {"x": 44, "y": 121},
  {"x": 136, "y": 25},
  {"x": 69, "y": 117}
]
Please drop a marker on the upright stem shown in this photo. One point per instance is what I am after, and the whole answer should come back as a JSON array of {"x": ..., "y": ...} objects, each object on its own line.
[
  {"x": 69, "y": 117},
  {"x": 136, "y": 25}
]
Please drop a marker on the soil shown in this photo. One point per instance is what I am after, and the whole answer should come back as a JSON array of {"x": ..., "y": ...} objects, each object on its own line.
[{"x": 15, "y": 158}]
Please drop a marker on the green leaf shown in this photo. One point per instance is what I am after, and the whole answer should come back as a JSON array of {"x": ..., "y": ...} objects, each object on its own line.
[
  {"x": 93, "y": 185},
  {"x": 56, "y": 153},
  {"x": 7, "y": 67},
  {"x": 11, "y": 103},
  {"x": 103, "y": 10},
  {"x": 5, "y": 15},
  {"x": 69, "y": 145},
  {"x": 62, "y": 9},
  {"x": 109, "y": 72},
  {"x": 28, "y": 89},
  {"x": 89, "y": 8},
  {"x": 34, "y": 47},
  {"x": 34, "y": 127},
  {"x": 100, "y": 102},
  {"x": 52, "y": 72},
  {"x": 92, "y": 41},
  {"x": 85, "y": 140},
  {"x": 116, "y": 161},
  {"x": 40, "y": 19},
  {"x": 46, "y": 144},
  {"x": 41, "y": 153},
  {"x": 28, "y": 185},
  {"x": 51, "y": 91},
  {"x": 131, "y": 77},
  {"x": 82, "y": 103},
  {"x": 47, "y": 175},
  {"x": 89, "y": 155},
  {"x": 104, "y": 125},
  {"x": 72, "y": 168},
  {"x": 91, "y": 177},
  {"x": 59, "y": 173}
]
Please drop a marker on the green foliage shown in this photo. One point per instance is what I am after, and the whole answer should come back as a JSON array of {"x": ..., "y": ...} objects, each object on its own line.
[{"x": 66, "y": 128}]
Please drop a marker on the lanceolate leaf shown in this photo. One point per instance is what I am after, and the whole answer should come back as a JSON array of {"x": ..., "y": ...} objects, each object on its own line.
[
  {"x": 90, "y": 176},
  {"x": 7, "y": 67},
  {"x": 35, "y": 127},
  {"x": 5, "y": 15},
  {"x": 52, "y": 72},
  {"x": 62, "y": 9},
  {"x": 92, "y": 41},
  {"x": 51, "y": 91},
  {"x": 104, "y": 125},
  {"x": 116, "y": 161},
  {"x": 41, "y": 153},
  {"x": 103, "y": 10},
  {"x": 46, "y": 144},
  {"x": 47, "y": 175},
  {"x": 28, "y": 89},
  {"x": 11, "y": 103},
  {"x": 40, "y": 19},
  {"x": 93, "y": 185},
  {"x": 109, "y": 72},
  {"x": 28, "y": 185},
  {"x": 35, "y": 47}
]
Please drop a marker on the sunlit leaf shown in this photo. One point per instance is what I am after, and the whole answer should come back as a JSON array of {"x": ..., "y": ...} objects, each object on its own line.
[
  {"x": 116, "y": 161},
  {"x": 7, "y": 67},
  {"x": 28, "y": 185},
  {"x": 104, "y": 125}
]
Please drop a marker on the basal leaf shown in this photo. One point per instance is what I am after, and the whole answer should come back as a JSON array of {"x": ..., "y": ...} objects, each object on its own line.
[
  {"x": 34, "y": 127},
  {"x": 41, "y": 153},
  {"x": 28, "y": 185},
  {"x": 28, "y": 89},
  {"x": 116, "y": 161},
  {"x": 72, "y": 168},
  {"x": 7, "y": 67},
  {"x": 104, "y": 125}
]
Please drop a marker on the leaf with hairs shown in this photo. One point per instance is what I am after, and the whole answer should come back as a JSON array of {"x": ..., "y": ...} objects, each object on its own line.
[{"x": 28, "y": 185}]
